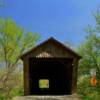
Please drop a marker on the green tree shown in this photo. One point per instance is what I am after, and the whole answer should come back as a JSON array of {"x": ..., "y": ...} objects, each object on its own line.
[
  {"x": 13, "y": 42},
  {"x": 90, "y": 52},
  {"x": 90, "y": 49}
]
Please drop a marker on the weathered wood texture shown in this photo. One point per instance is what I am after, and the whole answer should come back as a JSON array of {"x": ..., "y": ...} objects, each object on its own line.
[{"x": 50, "y": 48}]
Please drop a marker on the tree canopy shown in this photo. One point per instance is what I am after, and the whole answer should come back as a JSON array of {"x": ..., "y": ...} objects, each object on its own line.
[
  {"x": 90, "y": 52},
  {"x": 90, "y": 49},
  {"x": 14, "y": 41}
]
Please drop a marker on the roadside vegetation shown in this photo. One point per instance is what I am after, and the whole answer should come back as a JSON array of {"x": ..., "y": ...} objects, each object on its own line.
[
  {"x": 90, "y": 52},
  {"x": 14, "y": 41}
]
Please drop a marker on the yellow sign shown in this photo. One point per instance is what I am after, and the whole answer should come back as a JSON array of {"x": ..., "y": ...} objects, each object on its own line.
[{"x": 43, "y": 83}]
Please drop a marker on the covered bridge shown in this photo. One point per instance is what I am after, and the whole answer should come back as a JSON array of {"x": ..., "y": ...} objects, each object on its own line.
[{"x": 50, "y": 69}]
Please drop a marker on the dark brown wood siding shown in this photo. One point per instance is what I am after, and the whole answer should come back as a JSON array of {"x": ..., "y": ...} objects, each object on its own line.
[{"x": 50, "y": 49}]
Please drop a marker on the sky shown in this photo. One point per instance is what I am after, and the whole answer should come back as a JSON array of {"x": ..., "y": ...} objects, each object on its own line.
[{"x": 64, "y": 20}]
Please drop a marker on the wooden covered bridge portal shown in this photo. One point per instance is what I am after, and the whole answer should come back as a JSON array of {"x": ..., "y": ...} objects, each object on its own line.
[{"x": 50, "y": 69}]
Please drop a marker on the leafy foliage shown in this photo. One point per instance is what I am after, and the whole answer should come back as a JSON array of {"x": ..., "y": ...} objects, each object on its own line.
[
  {"x": 90, "y": 49},
  {"x": 13, "y": 42},
  {"x": 90, "y": 52}
]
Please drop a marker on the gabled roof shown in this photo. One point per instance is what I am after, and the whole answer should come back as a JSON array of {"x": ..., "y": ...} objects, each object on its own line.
[{"x": 51, "y": 39}]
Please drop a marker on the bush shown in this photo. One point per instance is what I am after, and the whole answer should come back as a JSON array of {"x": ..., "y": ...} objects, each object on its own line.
[
  {"x": 86, "y": 90},
  {"x": 13, "y": 86}
]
